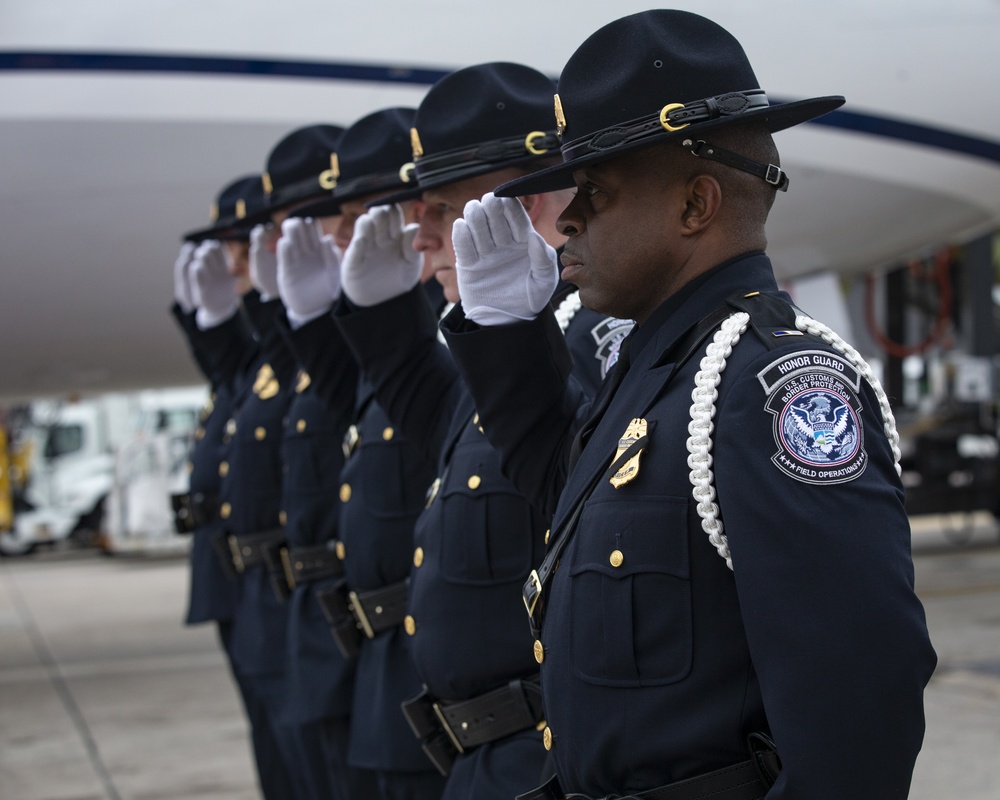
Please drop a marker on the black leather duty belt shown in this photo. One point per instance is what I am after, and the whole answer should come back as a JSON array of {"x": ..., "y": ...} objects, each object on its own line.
[
  {"x": 297, "y": 566},
  {"x": 193, "y": 510},
  {"x": 353, "y": 615},
  {"x": 446, "y": 730},
  {"x": 239, "y": 553},
  {"x": 748, "y": 780}
]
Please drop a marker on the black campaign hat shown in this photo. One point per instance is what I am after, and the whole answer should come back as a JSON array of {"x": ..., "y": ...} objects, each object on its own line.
[
  {"x": 233, "y": 211},
  {"x": 478, "y": 120},
  {"x": 300, "y": 167},
  {"x": 651, "y": 77},
  {"x": 373, "y": 156}
]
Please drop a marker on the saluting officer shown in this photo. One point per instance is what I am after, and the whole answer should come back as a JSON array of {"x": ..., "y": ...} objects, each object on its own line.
[
  {"x": 478, "y": 538},
  {"x": 251, "y": 502},
  {"x": 383, "y": 485},
  {"x": 726, "y": 609}
]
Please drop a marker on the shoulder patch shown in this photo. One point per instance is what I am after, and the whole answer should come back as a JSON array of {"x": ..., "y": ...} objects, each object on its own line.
[
  {"x": 608, "y": 335},
  {"x": 813, "y": 396}
]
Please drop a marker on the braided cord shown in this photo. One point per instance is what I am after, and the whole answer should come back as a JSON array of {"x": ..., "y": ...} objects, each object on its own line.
[
  {"x": 816, "y": 328},
  {"x": 699, "y": 443},
  {"x": 706, "y": 382},
  {"x": 567, "y": 310}
]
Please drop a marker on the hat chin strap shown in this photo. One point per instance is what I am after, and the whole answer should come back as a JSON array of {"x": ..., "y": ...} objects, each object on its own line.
[{"x": 770, "y": 173}]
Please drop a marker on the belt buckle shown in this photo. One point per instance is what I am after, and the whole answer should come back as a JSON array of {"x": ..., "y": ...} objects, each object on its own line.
[
  {"x": 360, "y": 615},
  {"x": 530, "y": 602},
  {"x": 234, "y": 548},
  {"x": 286, "y": 566},
  {"x": 447, "y": 728}
]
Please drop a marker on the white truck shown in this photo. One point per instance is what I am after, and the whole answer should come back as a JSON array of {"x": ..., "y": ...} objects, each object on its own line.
[{"x": 103, "y": 469}]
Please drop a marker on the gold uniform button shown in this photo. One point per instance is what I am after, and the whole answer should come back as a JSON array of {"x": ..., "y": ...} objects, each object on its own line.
[
  {"x": 225, "y": 510},
  {"x": 418, "y": 556},
  {"x": 475, "y": 419},
  {"x": 199, "y": 434},
  {"x": 260, "y": 434},
  {"x": 345, "y": 492},
  {"x": 617, "y": 558},
  {"x": 409, "y": 625},
  {"x": 474, "y": 482},
  {"x": 388, "y": 433},
  {"x": 539, "y": 651},
  {"x": 300, "y": 425},
  {"x": 223, "y": 469},
  {"x": 548, "y": 532},
  {"x": 231, "y": 427},
  {"x": 341, "y": 550},
  {"x": 282, "y": 518},
  {"x": 547, "y": 738}
]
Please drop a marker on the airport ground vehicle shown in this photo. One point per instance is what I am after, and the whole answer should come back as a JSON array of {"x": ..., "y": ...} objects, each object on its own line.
[{"x": 103, "y": 469}]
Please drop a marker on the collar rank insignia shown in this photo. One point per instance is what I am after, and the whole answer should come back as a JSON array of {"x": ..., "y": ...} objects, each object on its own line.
[
  {"x": 266, "y": 385},
  {"x": 814, "y": 399},
  {"x": 303, "y": 382},
  {"x": 630, "y": 469}
]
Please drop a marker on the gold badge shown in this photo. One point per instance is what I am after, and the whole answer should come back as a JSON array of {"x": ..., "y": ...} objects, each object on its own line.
[
  {"x": 213, "y": 212},
  {"x": 266, "y": 385},
  {"x": 560, "y": 118},
  {"x": 636, "y": 430},
  {"x": 418, "y": 149},
  {"x": 241, "y": 208},
  {"x": 265, "y": 181}
]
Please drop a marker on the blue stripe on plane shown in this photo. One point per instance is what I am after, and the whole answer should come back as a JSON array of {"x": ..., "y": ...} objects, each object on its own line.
[{"x": 329, "y": 70}]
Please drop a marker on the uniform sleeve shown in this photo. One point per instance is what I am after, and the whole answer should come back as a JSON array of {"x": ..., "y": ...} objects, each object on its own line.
[
  {"x": 319, "y": 349},
  {"x": 820, "y": 546},
  {"x": 529, "y": 406},
  {"x": 225, "y": 349},
  {"x": 415, "y": 380}
]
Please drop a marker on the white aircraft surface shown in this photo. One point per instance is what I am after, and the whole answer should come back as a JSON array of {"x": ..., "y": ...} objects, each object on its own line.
[{"x": 121, "y": 120}]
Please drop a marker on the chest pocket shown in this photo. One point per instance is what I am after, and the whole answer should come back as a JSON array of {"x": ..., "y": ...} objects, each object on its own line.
[
  {"x": 630, "y": 602},
  {"x": 394, "y": 476},
  {"x": 312, "y": 455},
  {"x": 489, "y": 532}
]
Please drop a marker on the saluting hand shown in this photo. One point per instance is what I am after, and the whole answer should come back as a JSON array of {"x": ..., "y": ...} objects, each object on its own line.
[
  {"x": 308, "y": 270},
  {"x": 182, "y": 277},
  {"x": 215, "y": 289},
  {"x": 263, "y": 262},
  {"x": 506, "y": 270},
  {"x": 380, "y": 262}
]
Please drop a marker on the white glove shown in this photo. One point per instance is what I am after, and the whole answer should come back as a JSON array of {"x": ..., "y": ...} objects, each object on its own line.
[
  {"x": 380, "y": 262},
  {"x": 263, "y": 263},
  {"x": 182, "y": 277},
  {"x": 308, "y": 270},
  {"x": 216, "y": 288},
  {"x": 506, "y": 271}
]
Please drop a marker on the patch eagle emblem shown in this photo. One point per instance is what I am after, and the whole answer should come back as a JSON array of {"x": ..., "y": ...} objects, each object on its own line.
[{"x": 813, "y": 396}]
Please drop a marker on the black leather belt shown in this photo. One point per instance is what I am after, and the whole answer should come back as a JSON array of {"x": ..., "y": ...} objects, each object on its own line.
[
  {"x": 295, "y": 566},
  {"x": 354, "y": 615},
  {"x": 447, "y": 729},
  {"x": 239, "y": 553},
  {"x": 380, "y": 609},
  {"x": 748, "y": 780},
  {"x": 193, "y": 510}
]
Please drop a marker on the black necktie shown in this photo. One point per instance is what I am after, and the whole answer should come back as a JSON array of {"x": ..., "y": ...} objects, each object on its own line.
[{"x": 602, "y": 400}]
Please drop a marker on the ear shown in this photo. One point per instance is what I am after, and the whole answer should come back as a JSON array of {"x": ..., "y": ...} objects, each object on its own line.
[
  {"x": 702, "y": 204},
  {"x": 534, "y": 204}
]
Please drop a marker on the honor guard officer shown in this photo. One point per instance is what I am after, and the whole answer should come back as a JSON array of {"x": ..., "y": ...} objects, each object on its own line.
[
  {"x": 218, "y": 276},
  {"x": 251, "y": 487},
  {"x": 726, "y": 608},
  {"x": 384, "y": 482},
  {"x": 219, "y": 354},
  {"x": 318, "y": 679},
  {"x": 478, "y": 538}
]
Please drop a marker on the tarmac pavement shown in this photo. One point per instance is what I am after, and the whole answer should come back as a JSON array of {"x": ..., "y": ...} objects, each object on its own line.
[{"x": 105, "y": 695}]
